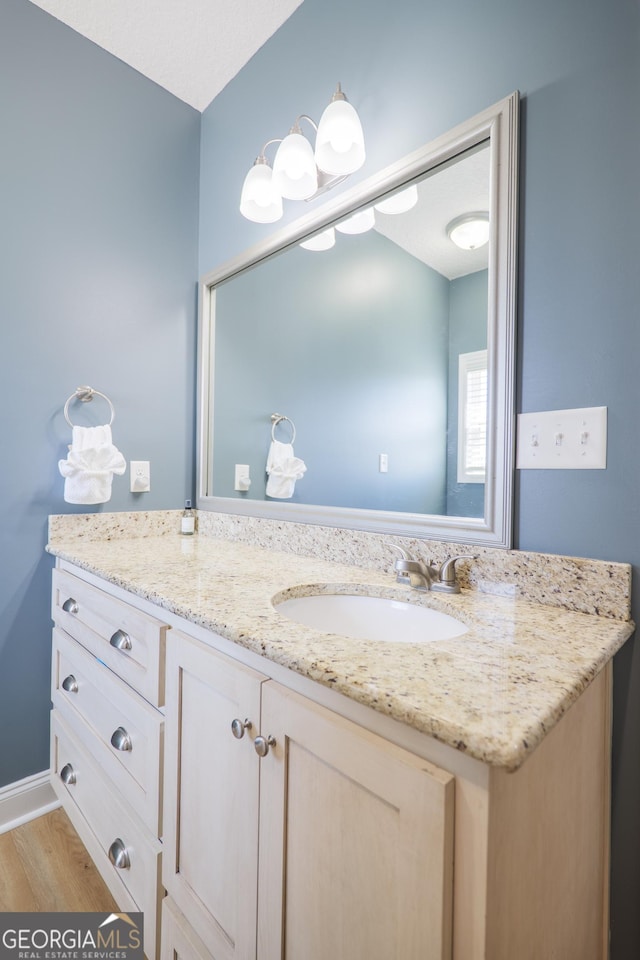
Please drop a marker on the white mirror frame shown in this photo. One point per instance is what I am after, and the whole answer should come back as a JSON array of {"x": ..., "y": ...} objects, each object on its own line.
[{"x": 498, "y": 123}]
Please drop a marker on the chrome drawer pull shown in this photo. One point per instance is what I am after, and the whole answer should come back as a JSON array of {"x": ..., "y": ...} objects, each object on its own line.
[
  {"x": 70, "y": 684},
  {"x": 238, "y": 728},
  {"x": 121, "y": 640},
  {"x": 119, "y": 855},
  {"x": 121, "y": 740},
  {"x": 262, "y": 745},
  {"x": 70, "y": 606},
  {"x": 68, "y": 774}
]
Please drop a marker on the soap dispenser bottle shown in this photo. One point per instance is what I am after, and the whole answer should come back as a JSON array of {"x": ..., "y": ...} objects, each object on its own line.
[{"x": 188, "y": 520}]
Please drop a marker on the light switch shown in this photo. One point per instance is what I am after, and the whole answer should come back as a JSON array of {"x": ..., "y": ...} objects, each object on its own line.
[
  {"x": 140, "y": 475},
  {"x": 383, "y": 463},
  {"x": 563, "y": 439}
]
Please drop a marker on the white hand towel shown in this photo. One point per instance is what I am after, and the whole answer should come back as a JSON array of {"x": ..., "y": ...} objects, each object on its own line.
[
  {"x": 90, "y": 466},
  {"x": 284, "y": 469}
]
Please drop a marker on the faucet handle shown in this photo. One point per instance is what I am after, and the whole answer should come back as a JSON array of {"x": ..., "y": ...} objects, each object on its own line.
[
  {"x": 401, "y": 575},
  {"x": 447, "y": 581}
]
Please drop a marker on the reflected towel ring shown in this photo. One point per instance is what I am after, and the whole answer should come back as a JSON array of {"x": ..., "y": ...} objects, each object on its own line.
[
  {"x": 85, "y": 394},
  {"x": 277, "y": 418}
]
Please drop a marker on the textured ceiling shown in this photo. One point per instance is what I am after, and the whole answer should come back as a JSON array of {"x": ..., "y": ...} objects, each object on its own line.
[
  {"x": 190, "y": 47},
  {"x": 452, "y": 190}
]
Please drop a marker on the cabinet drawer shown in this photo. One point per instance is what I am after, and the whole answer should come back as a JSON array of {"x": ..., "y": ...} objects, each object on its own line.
[
  {"x": 179, "y": 941},
  {"x": 128, "y": 641},
  {"x": 82, "y": 789},
  {"x": 118, "y": 728}
]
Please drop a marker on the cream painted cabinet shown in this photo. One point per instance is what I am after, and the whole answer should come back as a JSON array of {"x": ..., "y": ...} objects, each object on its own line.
[
  {"x": 334, "y": 840},
  {"x": 338, "y": 842},
  {"x": 210, "y": 853},
  {"x": 356, "y": 841},
  {"x": 106, "y": 738}
]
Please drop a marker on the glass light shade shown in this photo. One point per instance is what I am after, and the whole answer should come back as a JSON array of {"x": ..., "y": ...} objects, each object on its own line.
[
  {"x": 294, "y": 169},
  {"x": 399, "y": 202},
  {"x": 321, "y": 241},
  {"x": 260, "y": 201},
  {"x": 358, "y": 223},
  {"x": 469, "y": 231},
  {"x": 340, "y": 141}
]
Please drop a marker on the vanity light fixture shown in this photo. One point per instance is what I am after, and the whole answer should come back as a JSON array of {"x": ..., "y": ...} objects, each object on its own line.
[
  {"x": 320, "y": 241},
  {"x": 469, "y": 231},
  {"x": 364, "y": 220},
  {"x": 260, "y": 201},
  {"x": 399, "y": 202},
  {"x": 358, "y": 222},
  {"x": 300, "y": 171}
]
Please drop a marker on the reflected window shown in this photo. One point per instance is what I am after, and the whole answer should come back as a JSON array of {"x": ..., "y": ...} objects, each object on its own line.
[{"x": 472, "y": 417}]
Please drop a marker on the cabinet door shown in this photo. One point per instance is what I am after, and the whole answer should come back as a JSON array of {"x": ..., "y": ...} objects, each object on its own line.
[
  {"x": 211, "y": 795},
  {"x": 356, "y": 842},
  {"x": 178, "y": 941}
]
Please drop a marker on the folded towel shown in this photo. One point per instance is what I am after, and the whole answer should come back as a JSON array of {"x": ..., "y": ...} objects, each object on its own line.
[
  {"x": 90, "y": 465},
  {"x": 284, "y": 469}
]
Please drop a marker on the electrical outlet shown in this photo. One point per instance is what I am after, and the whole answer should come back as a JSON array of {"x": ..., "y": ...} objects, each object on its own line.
[
  {"x": 140, "y": 476},
  {"x": 242, "y": 479}
]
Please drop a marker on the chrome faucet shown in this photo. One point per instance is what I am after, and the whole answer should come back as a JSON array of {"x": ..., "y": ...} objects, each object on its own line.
[
  {"x": 414, "y": 572},
  {"x": 419, "y": 576}
]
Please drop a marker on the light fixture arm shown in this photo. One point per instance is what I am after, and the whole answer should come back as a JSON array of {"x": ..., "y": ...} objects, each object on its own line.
[
  {"x": 261, "y": 158},
  {"x": 296, "y": 126}
]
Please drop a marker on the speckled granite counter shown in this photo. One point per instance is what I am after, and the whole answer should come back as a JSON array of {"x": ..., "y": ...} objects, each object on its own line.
[{"x": 493, "y": 693}]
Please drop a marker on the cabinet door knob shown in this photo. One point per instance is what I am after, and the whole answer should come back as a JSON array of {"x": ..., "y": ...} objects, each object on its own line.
[
  {"x": 262, "y": 745},
  {"x": 68, "y": 774},
  {"x": 121, "y": 740},
  {"x": 119, "y": 855},
  {"x": 238, "y": 728},
  {"x": 121, "y": 640},
  {"x": 70, "y": 684},
  {"x": 70, "y": 606}
]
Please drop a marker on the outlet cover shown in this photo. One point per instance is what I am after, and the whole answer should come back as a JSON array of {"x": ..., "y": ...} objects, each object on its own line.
[{"x": 140, "y": 476}]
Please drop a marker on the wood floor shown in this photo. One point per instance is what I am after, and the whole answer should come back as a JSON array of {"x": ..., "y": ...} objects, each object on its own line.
[{"x": 44, "y": 866}]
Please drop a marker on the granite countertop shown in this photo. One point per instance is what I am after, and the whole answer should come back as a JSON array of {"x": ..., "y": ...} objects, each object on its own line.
[{"x": 493, "y": 693}]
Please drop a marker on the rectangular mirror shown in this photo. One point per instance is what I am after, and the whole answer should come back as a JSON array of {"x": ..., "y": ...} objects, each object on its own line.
[{"x": 390, "y": 352}]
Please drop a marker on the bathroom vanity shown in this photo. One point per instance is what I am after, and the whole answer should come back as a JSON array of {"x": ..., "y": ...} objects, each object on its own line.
[{"x": 262, "y": 789}]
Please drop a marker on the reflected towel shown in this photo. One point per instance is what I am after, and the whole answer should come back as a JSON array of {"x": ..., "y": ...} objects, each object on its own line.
[
  {"x": 90, "y": 465},
  {"x": 284, "y": 468}
]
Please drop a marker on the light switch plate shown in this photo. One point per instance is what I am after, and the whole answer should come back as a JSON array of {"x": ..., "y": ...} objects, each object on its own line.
[{"x": 563, "y": 440}]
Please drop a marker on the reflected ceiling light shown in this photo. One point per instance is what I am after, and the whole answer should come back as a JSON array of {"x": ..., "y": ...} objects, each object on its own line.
[
  {"x": 321, "y": 241},
  {"x": 399, "y": 202},
  {"x": 359, "y": 222},
  {"x": 469, "y": 231},
  {"x": 299, "y": 172}
]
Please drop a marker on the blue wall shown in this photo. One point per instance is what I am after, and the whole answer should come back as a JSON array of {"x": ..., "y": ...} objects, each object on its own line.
[
  {"x": 99, "y": 214},
  {"x": 415, "y": 70},
  {"x": 341, "y": 342}
]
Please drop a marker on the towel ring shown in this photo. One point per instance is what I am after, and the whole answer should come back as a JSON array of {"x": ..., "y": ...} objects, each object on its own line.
[
  {"x": 277, "y": 418},
  {"x": 85, "y": 394}
]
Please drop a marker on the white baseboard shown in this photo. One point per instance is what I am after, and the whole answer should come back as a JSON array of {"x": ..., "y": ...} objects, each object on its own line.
[{"x": 25, "y": 800}]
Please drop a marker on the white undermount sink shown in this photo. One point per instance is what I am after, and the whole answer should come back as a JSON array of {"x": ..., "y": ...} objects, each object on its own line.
[{"x": 371, "y": 618}]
